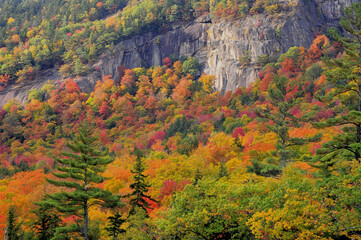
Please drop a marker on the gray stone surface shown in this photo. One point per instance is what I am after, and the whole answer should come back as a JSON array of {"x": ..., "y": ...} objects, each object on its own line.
[{"x": 218, "y": 46}]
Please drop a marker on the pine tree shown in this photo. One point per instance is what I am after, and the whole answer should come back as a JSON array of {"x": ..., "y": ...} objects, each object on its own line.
[
  {"x": 114, "y": 227},
  {"x": 12, "y": 231},
  {"x": 279, "y": 96},
  {"x": 48, "y": 220},
  {"x": 79, "y": 171},
  {"x": 344, "y": 75},
  {"x": 138, "y": 196}
]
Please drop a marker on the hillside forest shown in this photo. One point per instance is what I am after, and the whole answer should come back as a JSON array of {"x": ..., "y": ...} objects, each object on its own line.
[
  {"x": 158, "y": 154},
  {"x": 72, "y": 35}
]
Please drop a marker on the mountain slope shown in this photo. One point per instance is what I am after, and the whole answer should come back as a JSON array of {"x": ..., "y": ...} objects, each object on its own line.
[{"x": 232, "y": 50}]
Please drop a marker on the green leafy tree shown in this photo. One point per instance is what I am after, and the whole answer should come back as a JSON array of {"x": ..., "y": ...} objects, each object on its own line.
[
  {"x": 191, "y": 66},
  {"x": 208, "y": 210},
  {"x": 222, "y": 172},
  {"x": 79, "y": 172},
  {"x": 344, "y": 75},
  {"x": 341, "y": 196},
  {"x": 198, "y": 176},
  {"x": 140, "y": 226}
]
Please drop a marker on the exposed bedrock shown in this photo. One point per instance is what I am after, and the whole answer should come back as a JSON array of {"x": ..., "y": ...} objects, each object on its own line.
[{"x": 220, "y": 47}]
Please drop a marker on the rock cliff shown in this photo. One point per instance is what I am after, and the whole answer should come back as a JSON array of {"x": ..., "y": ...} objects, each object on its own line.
[{"x": 221, "y": 47}]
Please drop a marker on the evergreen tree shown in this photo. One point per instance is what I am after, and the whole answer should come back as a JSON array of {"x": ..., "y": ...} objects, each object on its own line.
[
  {"x": 282, "y": 118},
  {"x": 80, "y": 170},
  {"x": 114, "y": 227},
  {"x": 12, "y": 231},
  {"x": 264, "y": 169},
  {"x": 344, "y": 75},
  {"x": 48, "y": 220},
  {"x": 138, "y": 196}
]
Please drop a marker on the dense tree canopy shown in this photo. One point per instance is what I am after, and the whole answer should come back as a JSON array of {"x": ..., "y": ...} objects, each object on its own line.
[
  {"x": 275, "y": 160},
  {"x": 71, "y": 35}
]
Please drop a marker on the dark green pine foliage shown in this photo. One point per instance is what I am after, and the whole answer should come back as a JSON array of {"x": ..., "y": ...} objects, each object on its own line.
[
  {"x": 181, "y": 125},
  {"x": 268, "y": 169},
  {"x": 79, "y": 171},
  {"x": 283, "y": 119},
  {"x": 12, "y": 231},
  {"x": 344, "y": 75},
  {"x": 48, "y": 220},
  {"x": 114, "y": 227},
  {"x": 138, "y": 196}
]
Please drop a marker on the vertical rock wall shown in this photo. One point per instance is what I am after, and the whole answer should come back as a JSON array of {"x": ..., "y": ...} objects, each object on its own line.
[{"x": 221, "y": 47}]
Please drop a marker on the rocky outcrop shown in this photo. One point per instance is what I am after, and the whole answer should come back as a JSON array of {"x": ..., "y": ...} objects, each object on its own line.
[
  {"x": 20, "y": 91},
  {"x": 228, "y": 50},
  {"x": 150, "y": 50},
  {"x": 219, "y": 46},
  {"x": 259, "y": 35},
  {"x": 333, "y": 9}
]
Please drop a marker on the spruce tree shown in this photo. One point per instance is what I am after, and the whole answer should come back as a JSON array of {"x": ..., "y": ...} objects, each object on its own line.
[
  {"x": 12, "y": 231},
  {"x": 48, "y": 220},
  {"x": 138, "y": 196},
  {"x": 282, "y": 119},
  {"x": 114, "y": 227},
  {"x": 79, "y": 172},
  {"x": 344, "y": 75}
]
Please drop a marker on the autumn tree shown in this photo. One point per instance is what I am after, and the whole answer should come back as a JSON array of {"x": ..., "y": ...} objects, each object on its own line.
[
  {"x": 139, "y": 226},
  {"x": 207, "y": 82},
  {"x": 291, "y": 210},
  {"x": 197, "y": 177},
  {"x": 222, "y": 172},
  {"x": 207, "y": 210},
  {"x": 80, "y": 172},
  {"x": 344, "y": 75}
]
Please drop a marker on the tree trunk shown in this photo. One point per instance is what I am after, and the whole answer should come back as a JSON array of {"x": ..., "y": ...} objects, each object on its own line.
[
  {"x": 283, "y": 137},
  {"x": 358, "y": 126},
  {"x": 85, "y": 227}
]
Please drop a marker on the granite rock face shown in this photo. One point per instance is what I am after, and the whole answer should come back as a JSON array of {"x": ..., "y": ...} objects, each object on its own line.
[
  {"x": 265, "y": 35},
  {"x": 150, "y": 50},
  {"x": 221, "y": 47},
  {"x": 332, "y": 9},
  {"x": 20, "y": 92}
]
